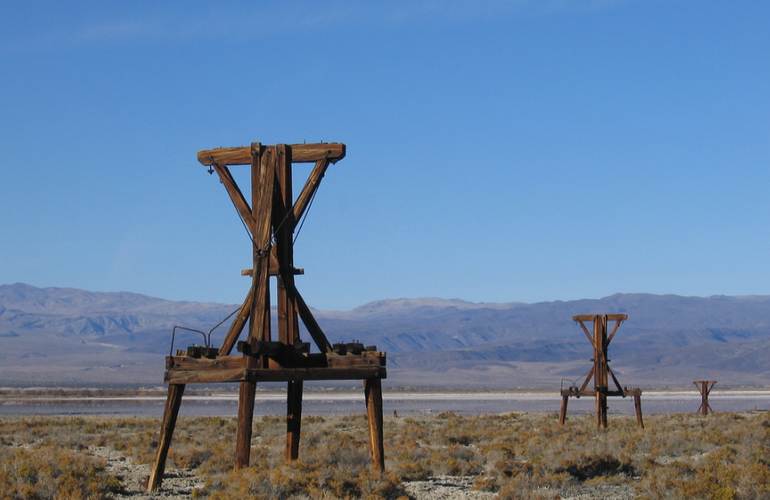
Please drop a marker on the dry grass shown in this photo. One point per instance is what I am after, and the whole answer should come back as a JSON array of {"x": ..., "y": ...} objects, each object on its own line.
[{"x": 514, "y": 455}]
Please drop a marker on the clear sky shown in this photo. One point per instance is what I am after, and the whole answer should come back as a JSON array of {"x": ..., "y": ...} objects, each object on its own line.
[{"x": 497, "y": 150}]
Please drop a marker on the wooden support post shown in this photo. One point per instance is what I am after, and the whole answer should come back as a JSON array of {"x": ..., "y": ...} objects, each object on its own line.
[
  {"x": 638, "y": 408},
  {"x": 170, "y": 412},
  {"x": 293, "y": 419},
  {"x": 563, "y": 410},
  {"x": 600, "y": 370},
  {"x": 245, "y": 419},
  {"x": 373, "y": 393}
]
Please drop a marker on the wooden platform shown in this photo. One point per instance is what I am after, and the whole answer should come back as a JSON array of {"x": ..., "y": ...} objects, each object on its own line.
[{"x": 187, "y": 370}]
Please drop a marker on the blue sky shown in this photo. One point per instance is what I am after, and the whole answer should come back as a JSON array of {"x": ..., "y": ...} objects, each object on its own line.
[{"x": 497, "y": 151}]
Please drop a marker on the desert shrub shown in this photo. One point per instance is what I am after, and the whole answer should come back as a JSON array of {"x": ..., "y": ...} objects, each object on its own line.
[
  {"x": 41, "y": 473},
  {"x": 591, "y": 466}
]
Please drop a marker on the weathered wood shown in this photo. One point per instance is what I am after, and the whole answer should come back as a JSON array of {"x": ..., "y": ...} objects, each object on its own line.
[
  {"x": 313, "y": 328},
  {"x": 237, "y": 326},
  {"x": 618, "y": 322},
  {"x": 293, "y": 419},
  {"x": 300, "y": 153},
  {"x": 638, "y": 408},
  {"x": 204, "y": 376},
  {"x": 262, "y": 188},
  {"x": 585, "y": 331},
  {"x": 170, "y": 412},
  {"x": 590, "y": 317},
  {"x": 373, "y": 394},
  {"x": 274, "y": 271},
  {"x": 325, "y": 373},
  {"x": 245, "y": 420},
  {"x": 600, "y": 370},
  {"x": 615, "y": 379},
  {"x": 309, "y": 189},
  {"x": 283, "y": 222},
  {"x": 563, "y": 409},
  {"x": 220, "y": 363},
  {"x": 235, "y": 195},
  {"x": 587, "y": 379}
]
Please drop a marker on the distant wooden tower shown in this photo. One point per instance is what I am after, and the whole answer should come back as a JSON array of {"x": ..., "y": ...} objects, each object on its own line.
[
  {"x": 600, "y": 372},
  {"x": 705, "y": 387},
  {"x": 270, "y": 222}
]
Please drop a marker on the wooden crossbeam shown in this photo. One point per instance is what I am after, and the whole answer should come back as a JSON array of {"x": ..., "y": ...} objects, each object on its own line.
[
  {"x": 590, "y": 317},
  {"x": 300, "y": 153}
]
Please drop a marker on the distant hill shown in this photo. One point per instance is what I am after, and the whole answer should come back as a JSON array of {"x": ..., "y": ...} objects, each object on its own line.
[{"x": 69, "y": 336}]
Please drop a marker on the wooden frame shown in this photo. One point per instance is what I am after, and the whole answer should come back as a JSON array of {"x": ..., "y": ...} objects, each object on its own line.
[
  {"x": 600, "y": 372},
  {"x": 270, "y": 220}
]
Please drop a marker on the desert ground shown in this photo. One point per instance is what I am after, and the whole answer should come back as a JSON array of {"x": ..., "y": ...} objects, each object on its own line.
[{"x": 511, "y": 455}]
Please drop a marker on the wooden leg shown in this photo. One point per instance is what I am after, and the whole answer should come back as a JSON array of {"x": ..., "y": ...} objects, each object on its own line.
[
  {"x": 638, "y": 409},
  {"x": 293, "y": 419},
  {"x": 603, "y": 401},
  {"x": 245, "y": 418},
  {"x": 170, "y": 413},
  {"x": 563, "y": 411},
  {"x": 373, "y": 393},
  {"x": 601, "y": 411}
]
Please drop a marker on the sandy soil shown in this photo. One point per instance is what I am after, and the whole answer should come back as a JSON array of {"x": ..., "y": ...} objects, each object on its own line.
[{"x": 177, "y": 483}]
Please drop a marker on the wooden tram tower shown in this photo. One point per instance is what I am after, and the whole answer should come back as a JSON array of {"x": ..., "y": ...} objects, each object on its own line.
[
  {"x": 704, "y": 387},
  {"x": 270, "y": 221},
  {"x": 600, "y": 372}
]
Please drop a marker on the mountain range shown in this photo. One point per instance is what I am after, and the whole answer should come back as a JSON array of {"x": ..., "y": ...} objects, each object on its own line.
[{"x": 65, "y": 336}]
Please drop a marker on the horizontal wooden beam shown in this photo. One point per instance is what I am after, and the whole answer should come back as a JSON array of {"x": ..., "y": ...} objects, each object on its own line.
[
  {"x": 590, "y": 317},
  {"x": 591, "y": 392},
  {"x": 187, "y": 370},
  {"x": 273, "y": 271},
  {"x": 287, "y": 374},
  {"x": 300, "y": 153}
]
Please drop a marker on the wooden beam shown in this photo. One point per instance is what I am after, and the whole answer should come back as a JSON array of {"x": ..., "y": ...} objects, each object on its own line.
[
  {"x": 235, "y": 195},
  {"x": 373, "y": 395},
  {"x": 293, "y": 419},
  {"x": 237, "y": 326},
  {"x": 310, "y": 187},
  {"x": 300, "y": 153},
  {"x": 585, "y": 330},
  {"x": 170, "y": 412},
  {"x": 590, "y": 317},
  {"x": 274, "y": 271},
  {"x": 245, "y": 420},
  {"x": 310, "y": 322},
  {"x": 286, "y": 374},
  {"x": 283, "y": 227},
  {"x": 618, "y": 322},
  {"x": 262, "y": 188}
]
